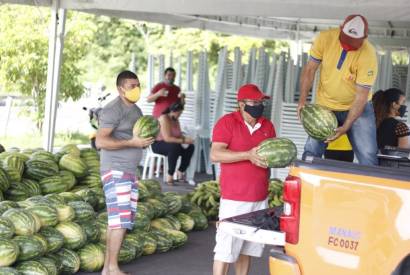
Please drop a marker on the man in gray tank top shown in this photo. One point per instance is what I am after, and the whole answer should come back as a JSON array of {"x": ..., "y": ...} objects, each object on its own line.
[{"x": 120, "y": 155}]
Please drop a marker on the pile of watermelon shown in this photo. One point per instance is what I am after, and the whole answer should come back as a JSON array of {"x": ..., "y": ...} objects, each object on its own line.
[
  {"x": 53, "y": 218},
  {"x": 206, "y": 196}
]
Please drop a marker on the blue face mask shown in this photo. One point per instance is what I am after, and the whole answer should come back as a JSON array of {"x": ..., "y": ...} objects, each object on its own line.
[
  {"x": 402, "y": 110},
  {"x": 254, "y": 111}
]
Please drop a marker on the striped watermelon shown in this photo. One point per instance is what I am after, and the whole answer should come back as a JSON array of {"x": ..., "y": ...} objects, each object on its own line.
[
  {"x": 186, "y": 204},
  {"x": 69, "y": 260},
  {"x": 55, "y": 199},
  {"x": 87, "y": 153},
  {"x": 70, "y": 197},
  {"x": 73, "y": 164},
  {"x": 54, "y": 239},
  {"x": 30, "y": 247},
  {"x": 17, "y": 192},
  {"x": 91, "y": 231},
  {"x": 53, "y": 184},
  {"x": 150, "y": 243},
  {"x": 146, "y": 209},
  {"x": 319, "y": 122},
  {"x": 146, "y": 126},
  {"x": 83, "y": 211},
  {"x": 173, "y": 202},
  {"x": 23, "y": 221},
  {"x": 200, "y": 220},
  {"x": 42, "y": 155},
  {"x": 14, "y": 165},
  {"x": 127, "y": 253},
  {"x": 159, "y": 207},
  {"x": 8, "y": 271},
  {"x": 91, "y": 180},
  {"x": 91, "y": 258},
  {"x": 176, "y": 225},
  {"x": 1, "y": 196},
  {"x": 43, "y": 241},
  {"x": 9, "y": 252},
  {"x": 142, "y": 222},
  {"x": 31, "y": 268},
  {"x": 187, "y": 223},
  {"x": 74, "y": 235},
  {"x": 89, "y": 196},
  {"x": 49, "y": 264},
  {"x": 6, "y": 205},
  {"x": 71, "y": 149},
  {"x": 68, "y": 178},
  {"x": 38, "y": 169},
  {"x": 36, "y": 219},
  {"x": 137, "y": 241},
  {"x": 277, "y": 152},
  {"x": 164, "y": 243},
  {"x": 178, "y": 238},
  {"x": 6, "y": 228},
  {"x": 57, "y": 261},
  {"x": 46, "y": 213},
  {"x": 65, "y": 213},
  {"x": 32, "y": 187},
  {"x": 4, "y": 180}
]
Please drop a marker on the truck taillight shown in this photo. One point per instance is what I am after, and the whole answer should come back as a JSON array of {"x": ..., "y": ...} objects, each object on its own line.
[{"x": 289, "y": 221}]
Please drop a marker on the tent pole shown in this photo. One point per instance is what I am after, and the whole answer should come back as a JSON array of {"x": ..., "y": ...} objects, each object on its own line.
[{"x": 55, "y": 51}]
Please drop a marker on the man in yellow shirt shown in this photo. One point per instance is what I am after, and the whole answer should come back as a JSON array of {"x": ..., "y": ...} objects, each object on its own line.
[{"x": 348, "y": 69}]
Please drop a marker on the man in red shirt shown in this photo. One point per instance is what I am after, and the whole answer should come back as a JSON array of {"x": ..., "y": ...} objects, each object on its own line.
[
  {"x": 165, "y": 93},
  {"x": 244, "y": 175}
]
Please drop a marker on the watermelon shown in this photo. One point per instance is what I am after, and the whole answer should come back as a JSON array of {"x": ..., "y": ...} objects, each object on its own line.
[
  {"x": 73, "y": 164},
  {"x": 53, "y": 184},
  {"x": 92, "y": 180},
  {"x": 23, "y": 221},
  {"x": 186, "y": 204},
  {"x": 89, "y": 196},
  {"x": 164, "y": 243},
  {"x": 4, "y": 180},
  {"x": 14, "y": 166},
  {"x": 74, "y": 235},
  {"x": 153, "y": 186},
  {"x": 43, "y": 241},
  {"x": 159, "y": 207},
  {"x": 70, "y": 197},
  {"x": 70, "y": 149},
  {"x": 176, "y": 225},
  {"x": 37, "y": 221},
  {"x": 173, "y": 202},
  {"x": 161, "y": 223},
  {"x": 32, "y": 187},
  {"x": 127, "y": 253},
  {"x": 89, "y": 153},
  {"x": 32, "y": 268},
  {"x": 65, "y": 213},
  {"x": 200, "y": 220},
  {"x": 142, "y": 222},
  {"x": 70, "y": 261},
  {"x": 8, "y": 271},
  {"x": 150, "y": 244},
  {"x": 68, "y": 178},
  {"x": 6, "y": 228},
  {"x": 38, "y": 169},
  {"x": 6, "y": 205},
  {"x": 318, "y": 121},
  {"x": 146, "y": 127},
  {"x": 30, "y": 247},
  {"x": 91, "y": 231},
  {"x": 47, "y": 214},
  {"x": 54, "y": 239},
  {"x": 55, "y": 199},
  {"x": 146, "y": 209},
  {"x": 17, "y": 192},
  {"x": 91, "y": 258},
  {"x": 83, "y": 211},
  {"x": 102, "y": 228},
  {"x": 57, "y": 261},
  {"x": 137, "y": 241},
  {"x": 1, "y": 196},
  {"x": 100, "y": 198},
  {"x": 49, "y": 264},
  {"x": 178, "y": 238},
  {"x": 42, "y": 155},
  {"x": 277, "y": 152},
  {"x": 187, "y": 223},
  {"x": 143, "y": 192},
  {"x": 9, "y": 252}
]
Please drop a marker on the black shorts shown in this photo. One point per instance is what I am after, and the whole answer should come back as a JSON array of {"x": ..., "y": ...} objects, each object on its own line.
[{"x": 340, "y": 155}]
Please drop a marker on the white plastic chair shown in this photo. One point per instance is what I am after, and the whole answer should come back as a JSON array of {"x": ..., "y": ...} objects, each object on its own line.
[{"x": 152, "y": 158}]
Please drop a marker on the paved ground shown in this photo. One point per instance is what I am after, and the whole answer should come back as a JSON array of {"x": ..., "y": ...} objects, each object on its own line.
[{"x": 194, "y": 258}]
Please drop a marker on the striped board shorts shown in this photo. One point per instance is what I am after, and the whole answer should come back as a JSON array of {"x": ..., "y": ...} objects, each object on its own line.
[{"x": 121, "y": 196}]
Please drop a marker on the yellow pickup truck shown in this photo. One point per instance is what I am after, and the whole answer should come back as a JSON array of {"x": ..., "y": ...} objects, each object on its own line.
[
  {"x": 344, "y": 219},
  {"x": 338, "y": 218}
]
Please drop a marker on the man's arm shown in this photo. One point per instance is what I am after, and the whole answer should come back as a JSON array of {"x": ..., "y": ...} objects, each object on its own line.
[
  {"x": 306, "y": 82},
  {"x": 360, "y": 101},
  {"x": 221, "y": 153},
  {"x": 155, "y": 95},
  {"x": 104, "y": 140}
]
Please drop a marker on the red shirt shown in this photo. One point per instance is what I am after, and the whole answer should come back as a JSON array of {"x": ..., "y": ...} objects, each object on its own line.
[
  {"x": 242, "y": 180},
  {"x": 164, "y": 102}
]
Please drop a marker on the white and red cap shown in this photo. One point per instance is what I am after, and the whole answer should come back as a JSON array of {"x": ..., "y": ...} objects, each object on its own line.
[
  {"x": 354, "y": 31},
  {"x": 252, "y": 92}
]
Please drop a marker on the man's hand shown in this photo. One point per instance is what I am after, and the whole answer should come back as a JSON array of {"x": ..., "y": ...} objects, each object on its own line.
[
  {"x": 141, "y": 142},
  {"x": 300, "y": 106},
  {"x": 163, "y": 92},
  {"x": 339, "y": 132},
  {"x": 189, "y": 140},
  {"x": 255, "y": 159}
]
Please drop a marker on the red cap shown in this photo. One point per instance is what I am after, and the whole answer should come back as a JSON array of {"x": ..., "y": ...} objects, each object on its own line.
[
  {"x": 354, "y": 31},
  {"x": 252, "y": 92}
]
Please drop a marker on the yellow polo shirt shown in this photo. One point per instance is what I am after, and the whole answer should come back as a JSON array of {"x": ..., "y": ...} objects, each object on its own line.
[
  {"x": 340, "y": 144},
  {"x": 341, "y": 71}
]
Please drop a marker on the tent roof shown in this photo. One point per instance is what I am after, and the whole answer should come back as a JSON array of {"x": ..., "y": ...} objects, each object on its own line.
[{"x": 275, "y": 19}]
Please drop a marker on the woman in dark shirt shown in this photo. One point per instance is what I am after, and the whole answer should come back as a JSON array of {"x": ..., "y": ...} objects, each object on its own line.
[{"x": 388, "y": 105}]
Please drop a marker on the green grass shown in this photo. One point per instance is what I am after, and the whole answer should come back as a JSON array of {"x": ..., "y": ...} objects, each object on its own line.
[{"x": 36, "y": 140}]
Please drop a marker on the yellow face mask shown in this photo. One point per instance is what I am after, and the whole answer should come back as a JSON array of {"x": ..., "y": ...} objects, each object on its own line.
[{"x": 133, "y": 95}]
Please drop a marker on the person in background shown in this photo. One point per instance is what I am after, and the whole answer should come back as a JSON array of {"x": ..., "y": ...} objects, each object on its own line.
[
  {"x": 244, "y": 175},
  {"x": 120, "y": 155},
  {"x": 165, "y": 93},
  {"x": 172, "y": 143},
  {"x": 388, "y": 105},
  {"x": 348, "y": 69},
  {"x": 340, "y": 149}
]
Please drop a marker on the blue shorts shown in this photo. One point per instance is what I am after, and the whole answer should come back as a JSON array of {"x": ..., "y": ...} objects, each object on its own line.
[{"x": 121, "y": 196}]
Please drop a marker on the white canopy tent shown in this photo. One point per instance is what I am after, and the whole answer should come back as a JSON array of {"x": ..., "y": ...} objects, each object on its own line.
[{"x": 274, "y": 19}]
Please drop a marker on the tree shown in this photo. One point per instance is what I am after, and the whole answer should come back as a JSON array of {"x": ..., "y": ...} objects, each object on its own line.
[{"x": 24, "y": 53}]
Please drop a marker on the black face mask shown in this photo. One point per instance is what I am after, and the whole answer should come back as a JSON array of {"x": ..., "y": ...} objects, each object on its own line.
[
  {"x": 402, "y": 110},
  {"x": 254, "y": 111}
]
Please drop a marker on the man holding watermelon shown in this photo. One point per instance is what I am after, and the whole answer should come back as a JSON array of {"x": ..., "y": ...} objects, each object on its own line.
[
  {"x": 244, "y": 175},
  {"x": 120, "y": 154},
  {"x": 348, "y": 69}
]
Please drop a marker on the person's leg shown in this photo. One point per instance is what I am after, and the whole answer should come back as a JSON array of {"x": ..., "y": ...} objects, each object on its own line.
[
  {"x": 114, "y": 241},
  {"x": 314, "y": 148},
  {"x": 174, "y": 151},
  {"x": 242, "y": 265},
  {"x": 362, "y": 136},
  {"x": 186, "y": 158},
  {"x": 220, "y": 268}
]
